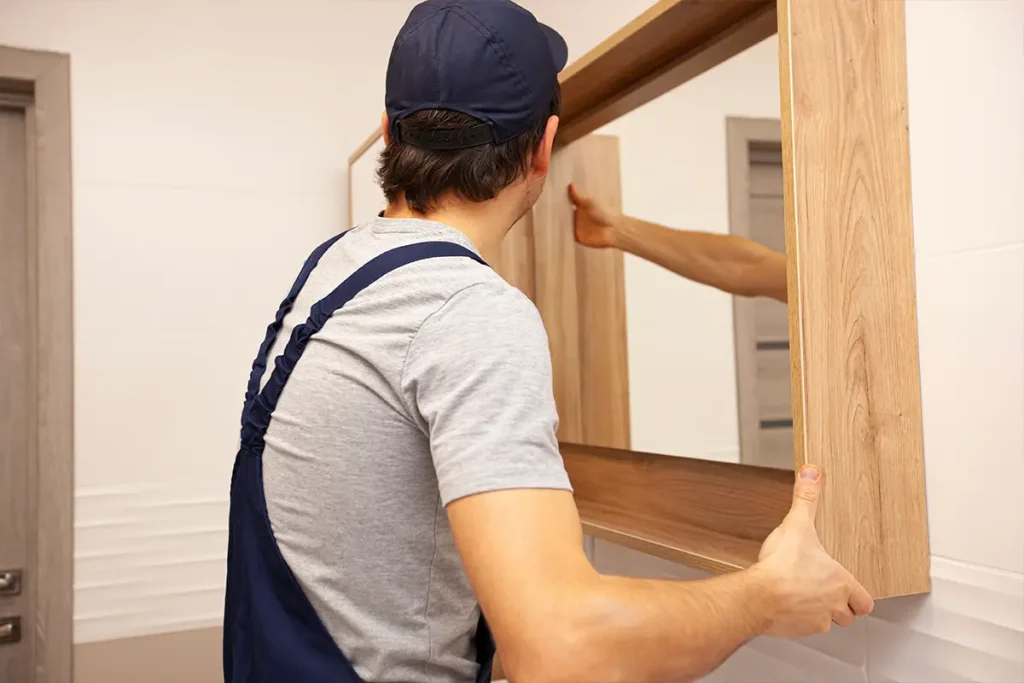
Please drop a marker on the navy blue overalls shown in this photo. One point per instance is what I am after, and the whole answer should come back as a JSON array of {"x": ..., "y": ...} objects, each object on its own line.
[{"x": 272, "y": 634}]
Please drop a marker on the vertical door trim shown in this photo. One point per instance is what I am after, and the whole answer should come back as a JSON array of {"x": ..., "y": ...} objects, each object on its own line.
[
  {"x": 740, "y": 133},
  {"x": 45, "y": 77}
]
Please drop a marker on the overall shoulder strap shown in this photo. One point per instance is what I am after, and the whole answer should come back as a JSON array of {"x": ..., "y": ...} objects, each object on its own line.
[
  {"x": 257, "y": 419},
  {"x": 259, "y": 365}
]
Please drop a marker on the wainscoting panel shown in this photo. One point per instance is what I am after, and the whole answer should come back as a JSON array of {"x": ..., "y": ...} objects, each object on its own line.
[
  {"x": 147, "y": 560},
  {"x": 970, "y": 628}
]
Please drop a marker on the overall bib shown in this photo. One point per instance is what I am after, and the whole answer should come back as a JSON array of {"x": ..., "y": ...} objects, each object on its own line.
[{"x": 272, "y": 634}]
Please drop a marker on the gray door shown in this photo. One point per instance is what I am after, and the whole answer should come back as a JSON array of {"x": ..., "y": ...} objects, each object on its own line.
[
  {"x": 17, "y": 504},
  {"x": 771, "y": 323}
]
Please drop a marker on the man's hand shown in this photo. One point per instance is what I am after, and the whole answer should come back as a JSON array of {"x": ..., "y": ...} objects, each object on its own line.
[
  {"x": 812, "y": 589},
  {"x": 594, "y": 225}
]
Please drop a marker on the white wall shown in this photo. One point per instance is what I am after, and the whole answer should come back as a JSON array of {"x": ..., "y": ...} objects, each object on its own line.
[
  {"x": 367, "y": 198},
  {"x": 211, "y": 140}
]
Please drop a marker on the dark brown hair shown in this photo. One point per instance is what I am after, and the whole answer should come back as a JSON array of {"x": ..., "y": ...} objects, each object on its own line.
[{"x": 475, "y": 174}]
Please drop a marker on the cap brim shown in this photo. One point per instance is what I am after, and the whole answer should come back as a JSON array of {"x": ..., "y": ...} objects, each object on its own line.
[{"x": 559, "y": 50}]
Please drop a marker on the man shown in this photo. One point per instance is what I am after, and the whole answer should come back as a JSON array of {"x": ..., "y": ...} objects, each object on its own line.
[
  {"x": 733, "y": 264},
  {"x": 399, "y": 462}
]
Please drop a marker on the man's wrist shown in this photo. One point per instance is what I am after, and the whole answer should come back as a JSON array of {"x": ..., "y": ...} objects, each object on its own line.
[
  {"x": 763, "y": 589},
  {"x": 620, "y": 232}
]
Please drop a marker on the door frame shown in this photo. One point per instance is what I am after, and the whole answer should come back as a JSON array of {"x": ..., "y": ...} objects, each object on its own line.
[
  {"x": 741, "y": 135},
  {"x": 39, "y": 82}
]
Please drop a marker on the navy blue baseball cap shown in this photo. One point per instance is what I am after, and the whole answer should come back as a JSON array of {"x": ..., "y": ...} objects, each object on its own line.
[{"x": 489, "y": 59}]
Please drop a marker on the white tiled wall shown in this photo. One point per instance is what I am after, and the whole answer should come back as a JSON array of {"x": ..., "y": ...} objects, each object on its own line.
[{"x": 970, "y": 628}]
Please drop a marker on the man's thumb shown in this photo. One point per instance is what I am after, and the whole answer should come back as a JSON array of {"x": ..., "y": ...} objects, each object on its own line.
[
  {"x": 576, "y": 197},
  {"x": 807, "y": 492}
]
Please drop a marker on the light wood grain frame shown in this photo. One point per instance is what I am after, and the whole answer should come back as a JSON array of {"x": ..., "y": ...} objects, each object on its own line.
[
  {"x": 855, "y": 373},
  {"x": 853, "y": 327},
  {"x": 42, "y": 81},
  {"x": 740, "y": 133}
]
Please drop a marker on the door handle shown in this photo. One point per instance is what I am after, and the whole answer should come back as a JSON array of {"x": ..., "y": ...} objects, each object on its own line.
[
  {"x": 10, "y": 582},
  {"x": 10, "y": 630}
]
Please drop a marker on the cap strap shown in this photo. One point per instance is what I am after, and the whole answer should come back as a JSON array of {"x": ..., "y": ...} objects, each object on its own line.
[{"x": 447, "y": 138}]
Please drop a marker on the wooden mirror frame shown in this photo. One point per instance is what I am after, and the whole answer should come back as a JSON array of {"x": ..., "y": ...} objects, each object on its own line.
[{"x": 852, "y": 311}]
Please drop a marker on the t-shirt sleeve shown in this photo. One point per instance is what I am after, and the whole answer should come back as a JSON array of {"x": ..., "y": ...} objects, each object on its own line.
[{"x": 478, "y": 373}]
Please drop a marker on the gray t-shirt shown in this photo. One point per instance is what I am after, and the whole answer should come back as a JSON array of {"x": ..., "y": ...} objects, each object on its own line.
[{"x": 432, "y": 384}]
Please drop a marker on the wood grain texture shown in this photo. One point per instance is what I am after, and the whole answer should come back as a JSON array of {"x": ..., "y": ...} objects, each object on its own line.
[
  {"x": 50, "y": 213},
  {"x": 669, "y": 44},
  {"x": 17, "y": 386},
  {"x": 853, "y": 321},
  {"x": 580, "y": 294},
  {"x": 556, "y": 299},
  {"x": 701, "y": 513},
  {"x": 516, "y": 260},
  {"x": 601, "y": 304}
]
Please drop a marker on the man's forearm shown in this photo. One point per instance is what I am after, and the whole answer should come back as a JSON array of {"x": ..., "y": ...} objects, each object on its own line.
[
  {"x": 732, "y": 264},
  {"x": 623, "y": 630}
]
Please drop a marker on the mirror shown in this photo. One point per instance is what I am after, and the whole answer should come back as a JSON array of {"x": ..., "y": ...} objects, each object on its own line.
[{"x": 708, "y": 372}]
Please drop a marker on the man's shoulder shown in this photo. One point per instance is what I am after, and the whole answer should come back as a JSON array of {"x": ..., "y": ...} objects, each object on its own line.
[
  {"x": 487, "y": 299},
  {"x": 477, "y": 307}
]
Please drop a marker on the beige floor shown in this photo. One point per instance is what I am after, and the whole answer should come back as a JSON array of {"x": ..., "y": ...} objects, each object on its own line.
[{"x": 183, "y": 657}]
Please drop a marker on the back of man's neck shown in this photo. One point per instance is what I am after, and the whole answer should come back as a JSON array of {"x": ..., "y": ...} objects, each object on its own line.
[{"x": 484, "y": 224}]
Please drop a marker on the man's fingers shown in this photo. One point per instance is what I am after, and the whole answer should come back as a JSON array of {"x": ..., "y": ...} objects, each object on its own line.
[
  {"x": 806, "y": 492},
  {"x": 861, "y": 601},
  {"x": 843, "y": 617},
  {"x": 577, "y": 198}
]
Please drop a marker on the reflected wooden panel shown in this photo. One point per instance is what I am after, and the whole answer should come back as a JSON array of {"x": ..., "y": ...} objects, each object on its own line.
[
  {"x": 516, "y": 262},
  {"x": 701, "y": 513},
  {"x": 580, "y": 294},
  {"x": 670, "y": 43}
]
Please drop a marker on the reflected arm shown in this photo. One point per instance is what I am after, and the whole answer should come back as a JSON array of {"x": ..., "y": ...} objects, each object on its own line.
[{"x": 732, "y": 264}]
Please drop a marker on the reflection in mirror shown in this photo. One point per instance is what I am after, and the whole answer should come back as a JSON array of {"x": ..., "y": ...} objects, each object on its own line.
[{"x": 708, "y": 372}]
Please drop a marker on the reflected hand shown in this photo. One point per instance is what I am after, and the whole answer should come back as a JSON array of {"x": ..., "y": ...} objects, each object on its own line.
[
  {"x": 813, "y": 591},
  {"x": 594, "y": 225}
]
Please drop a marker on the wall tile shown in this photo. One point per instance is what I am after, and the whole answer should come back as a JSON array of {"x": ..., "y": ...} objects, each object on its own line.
[
  {"x": 148, "y": 558},
  {"x": 173, "y": 289},
  {"x": 966, "y": 137},
  {"x": 971, "y": 330},
  {"x": 971, "y": 628}
]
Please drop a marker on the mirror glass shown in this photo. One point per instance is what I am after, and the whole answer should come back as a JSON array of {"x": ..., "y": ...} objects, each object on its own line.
[{"x": 708, "y": 371}]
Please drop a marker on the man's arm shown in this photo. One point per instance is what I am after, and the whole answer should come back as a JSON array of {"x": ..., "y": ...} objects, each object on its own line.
[
  {"x": 732, "y": 264},
  {"x": 555, "y": 619},
  {"x": 478, "y": 378}
]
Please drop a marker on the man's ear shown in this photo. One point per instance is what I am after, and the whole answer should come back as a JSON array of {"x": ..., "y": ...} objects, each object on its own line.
[
  {"x": 542, "y": 159},
  {"x": 385, "y": 126}
]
